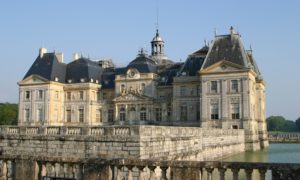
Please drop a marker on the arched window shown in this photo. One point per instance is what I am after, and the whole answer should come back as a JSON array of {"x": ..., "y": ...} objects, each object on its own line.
[
  {"x": 143, "y": 114},
  {"x": 132, "y": 109},
  {"x": 122, "y": 114}
]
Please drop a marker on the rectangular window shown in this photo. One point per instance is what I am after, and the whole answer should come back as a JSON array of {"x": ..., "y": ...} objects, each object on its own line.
[
  {"x": 27, "y": 95},
  {"x": 214, "y": 111},
  {"x": 169, "y": 110},
  {"x": 213, "y": 86},
  {"x": 81, "y": 95},
  {"x": 182, "y": 90},
  {"x": 81, "y": 115},
  {"x": 110, "y": 115},
  {"x": 56, "y": 95},
  {"x": 68, "y": 115},
  {"x": 198, "y": 90},
  {"x": 158, "y": 114},
  {"x": 234, "y": 86},
  {"x": 183, "y": 112},
  {"x": 98, "y": 96},
  {"x": 40, "y": 94},
  {"x": 98, "y": 115},
  {"x": 235, "y": 111},
  {"x": 27, "y": 115},
  {"x": 69, "y": 96},
  {"x": 40, "y": 115}
]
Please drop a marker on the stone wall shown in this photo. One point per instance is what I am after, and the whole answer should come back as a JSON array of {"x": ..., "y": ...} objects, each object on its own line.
[{"x": 142, "y": 142}]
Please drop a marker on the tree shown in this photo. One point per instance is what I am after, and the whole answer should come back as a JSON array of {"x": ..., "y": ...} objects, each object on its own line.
[
  {"x": 8, "y": 114},
  {"x": 297, "y": 122},
  {"x": 275, "y": 123}
]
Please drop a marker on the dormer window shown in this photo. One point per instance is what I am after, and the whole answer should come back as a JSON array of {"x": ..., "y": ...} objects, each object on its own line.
[
  {"x": 82, "y": 80},
  {"x": 56, "y": 79},
  {"x": 70, "y": 81}
]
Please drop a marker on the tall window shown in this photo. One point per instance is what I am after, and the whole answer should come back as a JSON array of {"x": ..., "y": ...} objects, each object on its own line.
[
  {"x": 122, "y": 89},
  {"x": 182, "y": 90},
  {"x": 110, "y": 115},
  {"x": 81, "y": 95},
  {"x": 234, "y": 86},
  {"x": 143, "y": 87},
  {"x": 169, "y": 110},
  {"x": 81, "y": 115},
  {"x": 40, "y": 94},
  {"x": 98, "y": 115},
  {"x": 214, "y": 111},
  {"x": 68, "y": 95},
  {"x": 27, "y": 95},
  {"x": 158, "y": 114},
  {"x": 40, "y": 115},
  {"x": 214, "y": 86},
  {"x": 143, "y": 114},
  {"x": 68, "y": 115},
  {"x": 27, "y": 115},
  {"x": 198, "y": 90},
  {"x": 183, "y": 112},
  {"x": 122, "y": 114},
  {"x": 56, "y": 95},
  {"x": 235, "y": 111}
]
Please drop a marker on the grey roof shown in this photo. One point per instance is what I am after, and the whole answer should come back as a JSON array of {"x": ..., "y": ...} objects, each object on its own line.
[
  {"x": 194, "y": 62},
  {"x": 83, "y": 68},
  {"x": 48, "y": 67},
  {"x": 229, "y": 48},
  {"x": 168, "y": 73},
  {"x": 143, "y": 64},
  {"x": 108, "y": 78}
]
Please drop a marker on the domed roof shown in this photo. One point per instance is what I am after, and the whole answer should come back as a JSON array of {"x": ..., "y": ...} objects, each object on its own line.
[
  {"x": 83, "y": 70},
  {"x": 143, "y": 63},
  {"x": 157, "y": 37}
]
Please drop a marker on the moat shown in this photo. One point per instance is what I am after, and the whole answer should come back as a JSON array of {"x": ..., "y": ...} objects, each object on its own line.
[{"x": 281, "y": 153}]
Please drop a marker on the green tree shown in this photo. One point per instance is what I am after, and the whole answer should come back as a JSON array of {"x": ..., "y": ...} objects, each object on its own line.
[
  {"x": 275, "y": 123},
  {"x": 8, "y": 114},
  {"x": 297, "y": 122}
]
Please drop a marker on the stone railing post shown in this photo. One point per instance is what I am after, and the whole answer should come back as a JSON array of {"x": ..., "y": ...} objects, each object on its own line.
[
  {"x": 152, "y": 172},
  {"x": 209, "y": 171},
  {"x": 141, "y": 172},
  {"x": 129, "y": 177},
  {"x": 163, "y": 173},
  {"x": 222, "y": 173},
  {"x": 235, "y": 173},
  {"x": 249, "y": 174},
  {"x": 262, "y": 174}
]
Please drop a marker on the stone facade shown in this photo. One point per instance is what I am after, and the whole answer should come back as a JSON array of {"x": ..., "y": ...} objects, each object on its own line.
[{"x": 218, "y": 86}]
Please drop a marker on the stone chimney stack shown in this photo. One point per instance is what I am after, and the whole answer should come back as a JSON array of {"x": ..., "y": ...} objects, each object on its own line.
[
  {"x": 42, "y": 51},
  {"x": 60, "y": 57},
  {"x": 75, "y": 56}
]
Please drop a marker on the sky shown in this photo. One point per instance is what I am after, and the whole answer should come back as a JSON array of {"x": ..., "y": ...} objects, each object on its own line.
[{"x": 118, "y": 29}]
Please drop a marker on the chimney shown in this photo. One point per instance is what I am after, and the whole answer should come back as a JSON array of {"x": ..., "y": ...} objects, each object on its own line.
[
  {"x": 75, "y": 56},
  {"x": 60, "y": 57},
  {"x": 42, "y": 51}
]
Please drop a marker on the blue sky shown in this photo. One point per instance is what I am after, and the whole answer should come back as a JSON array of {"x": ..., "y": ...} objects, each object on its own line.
[{"x": 117, "y": 29}]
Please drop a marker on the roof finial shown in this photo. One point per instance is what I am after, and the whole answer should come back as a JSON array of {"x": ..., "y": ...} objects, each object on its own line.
[
  {"x": 215, "y": 32},
  {"x": 232, "y": 31},
  {"x": 157, "y": 14}
]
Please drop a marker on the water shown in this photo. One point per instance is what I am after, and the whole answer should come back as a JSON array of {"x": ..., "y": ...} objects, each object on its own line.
[
  {"x": 280, "y": 153},
  {"x": 283, "y": 153}
]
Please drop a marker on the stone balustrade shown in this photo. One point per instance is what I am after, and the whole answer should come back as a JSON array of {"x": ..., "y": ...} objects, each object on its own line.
[
  {"x": 130, "y": 169},
  {"x": 284, "y": 137}
]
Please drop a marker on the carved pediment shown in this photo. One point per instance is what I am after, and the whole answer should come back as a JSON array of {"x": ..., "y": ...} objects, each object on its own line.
[
  {"x": 132, "y": 97},
  {"x": 222, "y": 66},
  {"x": 33, "y": 79}
]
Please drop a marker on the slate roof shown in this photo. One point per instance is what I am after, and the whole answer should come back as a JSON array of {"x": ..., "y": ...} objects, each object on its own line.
[
  {"x": 143, "y": 64},
  {"x": 48, "y": 67},
  {"x": 229, "y": 48},
  {"x": 108, "y": 78},
  {"x": 83, "y": 68},
  {"x": 168, "y": 73},
  {"x": 194, "y": 62}
]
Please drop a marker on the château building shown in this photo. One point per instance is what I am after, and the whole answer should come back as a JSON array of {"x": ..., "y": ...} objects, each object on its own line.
[{"x": 218, "y": 86}]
